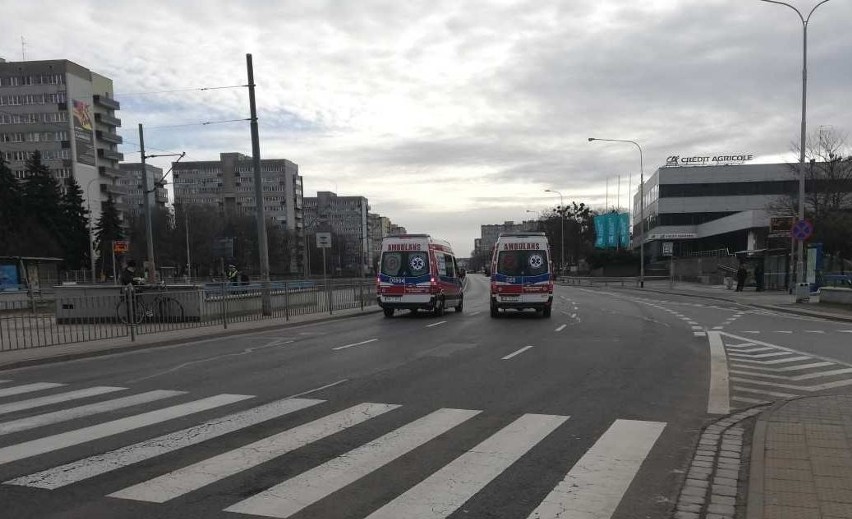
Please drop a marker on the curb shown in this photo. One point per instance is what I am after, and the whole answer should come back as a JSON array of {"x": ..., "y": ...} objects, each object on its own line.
[
  {"x": 170, "y": 342},
  {"x": 795, "y": 311},
  {"x": 757, "y": 470}
]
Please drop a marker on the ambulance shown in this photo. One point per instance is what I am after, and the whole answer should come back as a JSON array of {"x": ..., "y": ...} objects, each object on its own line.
[
  {"x": 521, "y": 273},
  {"x": 418, "y": 272}
]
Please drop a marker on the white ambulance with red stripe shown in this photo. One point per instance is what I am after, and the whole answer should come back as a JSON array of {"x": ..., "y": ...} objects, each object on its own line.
[
  {"x": 418, "y": 272},
  {"x": 521, "y": 273}
]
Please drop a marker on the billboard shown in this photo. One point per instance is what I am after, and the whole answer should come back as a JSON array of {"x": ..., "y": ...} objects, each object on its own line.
[
  {"x": 612, "y": 230},
  {"x": 84, "y": 136}
]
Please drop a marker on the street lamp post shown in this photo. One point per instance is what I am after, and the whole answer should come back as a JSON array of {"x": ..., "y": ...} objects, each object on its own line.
[
  {"x": 641, "y": 205},
  {"x": 561, "y": 231},
  {"x": 800, "y": 262}
]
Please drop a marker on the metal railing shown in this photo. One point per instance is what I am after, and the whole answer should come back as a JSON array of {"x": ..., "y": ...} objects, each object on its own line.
[
  {"x": 592, "y": 281},
  {"x": 131, "y": 311}
]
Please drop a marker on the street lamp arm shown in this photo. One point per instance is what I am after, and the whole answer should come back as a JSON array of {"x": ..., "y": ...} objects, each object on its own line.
[
  {"x": 814, "y": 9},
  {"x": 799, "y": 13}
]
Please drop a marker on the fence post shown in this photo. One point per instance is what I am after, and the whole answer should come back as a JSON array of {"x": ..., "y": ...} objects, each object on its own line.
[
  {"x": 286, "y": 302},
  {"x": 130, "y": 295},
  {"x": 329, "y": 297},
  {"x": 361, "y": 292},
  {"x": 224, "y": 305}
]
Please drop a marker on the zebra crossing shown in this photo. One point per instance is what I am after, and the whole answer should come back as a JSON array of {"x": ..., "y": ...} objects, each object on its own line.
[
  {"x": 761, "y": 372},
  {"x": 593, "y": 487}
]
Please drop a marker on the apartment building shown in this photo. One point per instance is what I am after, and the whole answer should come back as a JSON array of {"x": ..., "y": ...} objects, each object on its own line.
[{"x": 66, "y": 112}]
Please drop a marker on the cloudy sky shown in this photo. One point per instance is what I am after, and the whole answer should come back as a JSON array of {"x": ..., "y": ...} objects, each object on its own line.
[{"x": 449, "y": 114}]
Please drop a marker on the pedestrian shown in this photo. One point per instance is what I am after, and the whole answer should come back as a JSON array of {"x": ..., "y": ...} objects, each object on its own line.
[
  {"x": 758, "y": 276},
  {"x": 128, "y": 275},
  {"x": 742, "y": 273},
  {"x": 233, "y": 275}
]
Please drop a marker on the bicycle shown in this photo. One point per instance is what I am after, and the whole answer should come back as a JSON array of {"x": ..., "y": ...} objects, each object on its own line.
[{"x": 162, "y": 308}]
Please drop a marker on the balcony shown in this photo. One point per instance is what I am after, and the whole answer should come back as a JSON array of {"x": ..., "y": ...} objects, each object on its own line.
[
  {"x": 107, "y": 102},
  {"x": 109, "y": 137},
  {"x": 114, "y": 190},
  {"x": 107, "y": 120},
  {"x": 110, "y": 155},
  {"x": 107, "y": 171}
]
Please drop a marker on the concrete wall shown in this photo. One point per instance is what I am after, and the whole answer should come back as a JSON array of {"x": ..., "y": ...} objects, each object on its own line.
[{"x": 835, "y": 296}]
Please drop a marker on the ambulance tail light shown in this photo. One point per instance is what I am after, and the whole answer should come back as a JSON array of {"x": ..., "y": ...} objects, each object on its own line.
[{"x": 433, "y": 286}]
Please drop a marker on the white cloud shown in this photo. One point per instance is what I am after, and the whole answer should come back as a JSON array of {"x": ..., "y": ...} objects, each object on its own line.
[{"x": 447, "y": 114}]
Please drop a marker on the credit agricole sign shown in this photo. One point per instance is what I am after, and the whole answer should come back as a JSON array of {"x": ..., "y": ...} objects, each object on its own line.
[{"x": 708, "y": 160}]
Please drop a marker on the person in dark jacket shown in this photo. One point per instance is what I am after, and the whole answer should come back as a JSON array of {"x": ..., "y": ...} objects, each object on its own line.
[
  {"x": 758, "y": 276},
  {"x": 742, "y": 273},
  {"x": 128, "y": 275}
]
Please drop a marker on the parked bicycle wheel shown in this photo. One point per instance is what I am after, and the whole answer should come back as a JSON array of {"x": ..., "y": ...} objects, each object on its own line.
[
  {"x": 122, "y": 312},
  {"x": 168, "y": 310}
]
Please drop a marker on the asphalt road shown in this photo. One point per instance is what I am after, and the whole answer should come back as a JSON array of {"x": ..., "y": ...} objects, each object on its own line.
[{"x": 594, "y": 412}]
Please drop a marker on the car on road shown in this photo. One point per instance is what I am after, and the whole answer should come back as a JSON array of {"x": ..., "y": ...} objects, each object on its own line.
[
  {"x": 418, "y": 272},
  {"x": 521, "y": 273}
]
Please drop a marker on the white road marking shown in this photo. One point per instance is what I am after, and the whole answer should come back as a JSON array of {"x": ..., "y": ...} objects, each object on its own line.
[
  {"x": 718, "y": 399},
  {"x": 814, "y": 331},
  {"x": 699, "y": 334},
  {"x": 818, "y": 387},
  {"x": 845, "y": 331},
  {"x": 798, "y": 367},
  {"x": 718, "y": 327},
  {"x": 594, "y": 487},
  {"x": 761, "y": 355},
  {"x": 64, "y": 415},
  {"x": 55, "y": 399},
  {"x": 4, "y": 381},
  {"x": 474, "y": 313},
  {"x": 561, "y": 328},
  {"x": 775, "y": 361},
  {"x": 28, "y": 388},
  {"x": 509, "y": 356},
  {"x": 205, "y": 472},
  {"x": 95, "y": 432},
  {"x": 102, "y": 463},
  {"x": 693, "y": 323},
  {"x": 443, "y": 492},
  {"x": 751, "y": 331},
  {"x": 783, "y": 331},
  {"x": 293, "y": 495},
  {"x": 742, "y": 389},
  {"x": 573, "y": 316},
  {"x": 696, "y": 328},
  {"x": 354, "y": 344},
  {"x": 435, "y": 324},
  {"x": 314, "y": 390},
  {"x": 794, "y": 378},
  {"x": 755, "y": 350}
]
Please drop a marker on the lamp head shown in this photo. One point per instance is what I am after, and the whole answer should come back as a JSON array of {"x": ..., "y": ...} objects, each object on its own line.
[{"x": 592, "y": 139}]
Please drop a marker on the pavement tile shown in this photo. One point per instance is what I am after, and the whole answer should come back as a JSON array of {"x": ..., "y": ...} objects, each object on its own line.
[
  {"x": 832, "y": 482},
  {"x": 796, "y": 452},
  {"x": 688, "y": 507},
  {"x": 686, "y": 515},
  {"x": 721, "y": 509},
  {"x": 788, "y": 512},
  {"x": 693, "y": 491},
  {"x": 842, "y": 454},
  {"x": 724, "y": 490},
  {"x": 725, "y": 481},
  {"x": 795, "y": 499},
  {"x": 719, "y": 499},
  {"x": 786, "y": 485},
  {"x": 725, "y": 473},
  {"x": 702, "y": 464},
  {"x": 827, "y": 468},
  {"x": 836, "y": 495},
  {"x": 729, "y": 454},
  {"x": 836, "y": 509},
  {"x": 789, "y": 464},
  {"x": 698, "y": 500},
  {"x": 704, "y": 458},
  {"x": 718, "y": 516},
  {"x": 697, "y": 483}
]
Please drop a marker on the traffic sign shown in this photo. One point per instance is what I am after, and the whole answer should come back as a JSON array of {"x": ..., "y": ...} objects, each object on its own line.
[
  {"x": 668, "y": 248},
  {"x": 120, "y": 246},
  {"x": 323, "y": 240},
  {"x": 802, "y": 230},
  {"x": 781, "y": 226}
]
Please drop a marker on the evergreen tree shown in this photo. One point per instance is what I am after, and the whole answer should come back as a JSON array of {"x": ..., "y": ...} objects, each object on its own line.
[
  {"x": 11, "y": 212},
  {"x": 75, "y": 228},
  {"x": 107, "y": 230},
  {"x": 41, "y": 200}
]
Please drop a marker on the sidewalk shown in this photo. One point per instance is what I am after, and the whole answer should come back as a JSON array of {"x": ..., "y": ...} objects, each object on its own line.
[
  {"x": 769, "y": 300},
  {"x": 30, "y": 356},
  {"x": 801, "y": 464}
]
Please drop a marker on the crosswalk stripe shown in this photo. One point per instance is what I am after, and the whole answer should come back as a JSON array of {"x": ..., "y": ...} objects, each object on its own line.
[
  {"x": 797, "y": 367},
  {"x": 775, "y": 361},
  {"x": 291, "y": 496},
  {"x": 806, "y": 376},
  {"x": 64, "y": 415},
  {"x": 102, "y": 463},
  {"x": 755, "y": 350},
  {"x": 28, "y": 388},
  {"x": 55, "y": 399},
  {"x": 4, "y": 381},
  {"x": 742, "y": 389},
  {"x": 761, "y": 355},
  {"x": 749, "y": 400},
  {"x": 95, "y": 432},
  {"x": 193, "y": 477},
  {"x": 446, "y": 490},
  {"x": 593, "y": 488}
]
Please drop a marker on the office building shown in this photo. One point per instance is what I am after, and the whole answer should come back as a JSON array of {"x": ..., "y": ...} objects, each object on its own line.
[
  {"x": 714, "y": 207},
  {"x": 67, "y": 112},
  {"x": 228, "y": 184},
  {"x": 490, "y": 232},
  {"x": 131, "y": 180}
]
